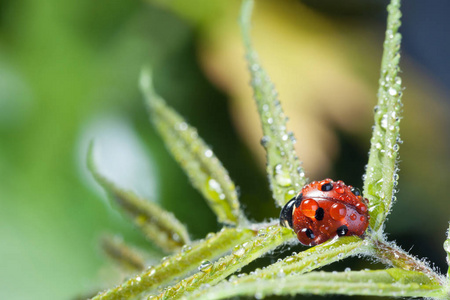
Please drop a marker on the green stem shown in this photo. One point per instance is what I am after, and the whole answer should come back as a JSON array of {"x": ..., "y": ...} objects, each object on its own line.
[
  {"x": 311, "y": 259},
  {"x": 391, "y": 254},
  {"x": 206, "y": 172},
  {"x": 267, "y": 240},
  {"x": 179, "y": 264},
  {"x": 286, "y": 175},
  {"x": 381, "y": 176},
  {"x": 374, "y": 283},
  {"x": 123, "y": 255}
]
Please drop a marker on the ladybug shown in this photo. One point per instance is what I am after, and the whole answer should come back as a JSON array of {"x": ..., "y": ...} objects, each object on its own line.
[{"x": 325, "y": 209}]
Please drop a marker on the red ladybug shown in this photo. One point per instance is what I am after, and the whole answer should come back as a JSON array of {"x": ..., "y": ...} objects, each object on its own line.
[{"x": 325, "y": 209}]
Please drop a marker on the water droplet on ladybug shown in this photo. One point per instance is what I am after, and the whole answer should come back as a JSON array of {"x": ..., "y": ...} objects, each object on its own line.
[
  {"x": 309, "y": 207},
  {"x": 324, "y": 229},
  {"x": 356, "y": 191},
  {"x": 338, "y": 211},
  {"x": 361, "y": 207}
]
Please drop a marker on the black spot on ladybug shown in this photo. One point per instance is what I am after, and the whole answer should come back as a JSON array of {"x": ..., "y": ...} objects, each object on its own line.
[
  {"x": 341, "y": 231},
  {"x": 327, "y": 187},
  {"x": 286, "y": 213},
  {"x": 319, "y": 214},
  {"x": 356, "y": 191},
  {"x": 309, "y": 233}
]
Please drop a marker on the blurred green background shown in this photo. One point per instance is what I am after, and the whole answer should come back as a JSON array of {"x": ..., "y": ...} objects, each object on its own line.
[{"x": 69, "y": 73}]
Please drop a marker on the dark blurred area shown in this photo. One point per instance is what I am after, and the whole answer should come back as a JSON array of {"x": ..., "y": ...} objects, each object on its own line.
[{"x": 69, "y": 74}]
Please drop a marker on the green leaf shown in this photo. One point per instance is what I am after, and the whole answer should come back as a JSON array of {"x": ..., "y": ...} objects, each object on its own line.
[
  {"x": 381, "y": 175},
  {"x": 390, "y": 254},
  {"x": 178, "y": 265},
  {"x": 158, "y": 225},
  {"x": 268, "y": 239},
  {"x": 311, "y": 259},
  {"x": 123, "y": 255},
  {"x": 286, "y": 176},
  {"x": 390, "y": 282},
  {"x": 197, "y": 159}
]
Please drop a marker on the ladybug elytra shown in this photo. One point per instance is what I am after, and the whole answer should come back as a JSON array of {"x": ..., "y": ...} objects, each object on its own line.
[{"x": 325, "y": 209}]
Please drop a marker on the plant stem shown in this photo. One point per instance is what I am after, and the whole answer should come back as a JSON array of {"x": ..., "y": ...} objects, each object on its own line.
[
  {"x": 178, "y": 264},
  {"x": 267, "y": 240},
  {"x": 390, "y": 253}
]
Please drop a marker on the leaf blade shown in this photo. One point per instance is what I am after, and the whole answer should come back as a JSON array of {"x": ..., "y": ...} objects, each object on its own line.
[
  {"x": 158, "y": 225},
  {"x": 124, "y": 256},
  {"x": 311, "y": 259},
  {"x": 381, "y": 175},
  {"x": 178, "y": 264},
  {"x": 391, "y": 282},
  {"x": 204, "y": 170},
  {"x": 286, "y": 176},
  {"x": 267, "y": 240}
]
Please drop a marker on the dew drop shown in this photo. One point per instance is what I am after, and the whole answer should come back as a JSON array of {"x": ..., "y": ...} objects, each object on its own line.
[
  {"x": 384, "y": 122},
  {"x": 261, "y": 233},
  {"x": 208, "y": 153},
  {"x": 214, "y": 190},
  {"x": 309, "y": 207},
  {"x": 392, "y": 91},
  {"x": 324, "y": 229},
  {"x": 205, "y": 266},
  {"x": 447, "y": 247},
  {"x": 282, "y": 176},
  {"x": 289, "y": 259},
  {"x": 340, "y": 190},
  {"x": 239, "y": 251},
  {"x": 182, "y": 126},
  {"x": 265, "y": 140},
  {"x": 338, "y": 211}
]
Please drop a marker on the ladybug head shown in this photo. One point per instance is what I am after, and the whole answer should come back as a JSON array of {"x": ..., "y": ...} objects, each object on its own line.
[{"x": 288, "y": 210}]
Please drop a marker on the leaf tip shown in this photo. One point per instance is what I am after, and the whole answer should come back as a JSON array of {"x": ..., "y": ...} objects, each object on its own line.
[
  {"x": 90, "y": 158},
  {"x": 146, "y": 80}
]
